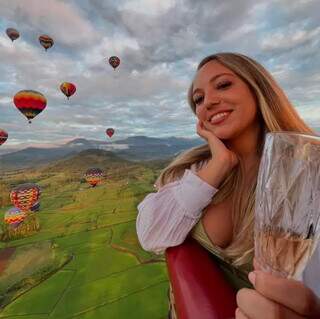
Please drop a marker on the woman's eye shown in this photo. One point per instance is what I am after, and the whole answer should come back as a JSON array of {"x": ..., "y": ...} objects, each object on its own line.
[
  {"x": 197, "y": 100},
  {"x": 223, "y": 85}
]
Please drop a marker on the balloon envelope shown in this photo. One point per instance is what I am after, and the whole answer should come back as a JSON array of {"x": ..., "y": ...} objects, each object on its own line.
[
  {"x": 114, "y": 61},
  {"x": 3, "y": 136},
  {"x": 68, "y": 89},
  {"x": 94, "y": 176},
  {"x": 46, "y": 41},
  {"x": 30, "y": 103},
  {"x": 14, "y": 216},
  {"x": 110, "y": 132},
  {"x": 24, "y": 196},
  {"x": 13, "y": 34}
]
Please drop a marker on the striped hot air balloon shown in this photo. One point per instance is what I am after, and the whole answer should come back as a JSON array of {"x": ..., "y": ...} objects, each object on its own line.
[
  {"x": 114, "y": 61},
  {"x": 46, "y": 41},
  {"x": 30, "y": 103},
  {"x": 3, "y": 136},
  {"x": 110, "y": 131},
  {"x": 93, "y": 176},
  {"x": 24, "y": 196},
  {"x": 13, "y": 34},
  {"x": 14, "y": 216},
  {"x": 68, "y": 89}
]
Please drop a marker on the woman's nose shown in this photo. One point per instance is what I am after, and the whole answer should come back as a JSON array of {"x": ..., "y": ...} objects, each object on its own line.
[{"x": 210, "y": 101}]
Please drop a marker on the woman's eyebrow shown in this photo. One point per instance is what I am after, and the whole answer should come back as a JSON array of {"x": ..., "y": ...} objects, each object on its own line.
[{"x": 211, "y": 80}]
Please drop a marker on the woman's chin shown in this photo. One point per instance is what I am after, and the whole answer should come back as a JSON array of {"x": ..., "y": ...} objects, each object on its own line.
[{"x": 223, "y": 133}]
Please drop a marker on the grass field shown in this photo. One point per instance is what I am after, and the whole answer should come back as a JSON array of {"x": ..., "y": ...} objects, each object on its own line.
[{"x": 107, "y": 275}]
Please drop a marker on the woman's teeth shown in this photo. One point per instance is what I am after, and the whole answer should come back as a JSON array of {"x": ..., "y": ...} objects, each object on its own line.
[{"x": 219, "y": 117}]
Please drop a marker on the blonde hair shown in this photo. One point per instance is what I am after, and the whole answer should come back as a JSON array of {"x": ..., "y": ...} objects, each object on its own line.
[{"x": 275, "y": 113}]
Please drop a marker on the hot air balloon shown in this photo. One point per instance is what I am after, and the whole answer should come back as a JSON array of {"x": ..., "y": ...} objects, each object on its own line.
[
  {"x": 46, "y": 41},
  {"x": 114, "y": 61},
  {"x": 13, "y": 34},
  {"x": 68, "y": 89},
  {"x": 24, "y": 196},
  {"x": 14, "y": 216},
  {"x": 3, "y": 136},
  {"x": 93, "y": 176},
  {"x": 110, "y": 131},
  {"x": 30, "y": 103}
]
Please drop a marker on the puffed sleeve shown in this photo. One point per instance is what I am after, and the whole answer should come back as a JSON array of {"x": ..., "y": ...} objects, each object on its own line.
[{"x": 166, "y": 217}]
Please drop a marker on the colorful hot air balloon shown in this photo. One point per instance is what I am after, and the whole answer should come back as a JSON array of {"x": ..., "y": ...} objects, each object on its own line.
[
  {"x": 30, "y": 103},
  {"x": 68, "y": 89},
  {"x": 46, "y": 41},
  {"x": 110, "y": 131},
  {"x": 93, "y": 176},
  {"x": 13, "y": 34},
  {"x": 3, "y": 136},
  {"x": 114, "y": 61},
  {"x": 24, "y": 196},
  {"x": 14, "y": 216}
]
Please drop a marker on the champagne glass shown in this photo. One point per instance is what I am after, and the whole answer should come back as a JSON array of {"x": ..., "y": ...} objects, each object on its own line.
[{"x": 287, "y": 205}]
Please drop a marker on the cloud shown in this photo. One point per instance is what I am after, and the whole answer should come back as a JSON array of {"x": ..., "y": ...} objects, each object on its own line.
[
  {"x": 160, "y": 44},
  {"x": 65, "y": 22},
  {"x": 293, "y": 37}
]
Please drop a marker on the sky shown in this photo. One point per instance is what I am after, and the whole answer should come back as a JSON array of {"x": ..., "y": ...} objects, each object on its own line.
[{"x": 160, "y": 44}]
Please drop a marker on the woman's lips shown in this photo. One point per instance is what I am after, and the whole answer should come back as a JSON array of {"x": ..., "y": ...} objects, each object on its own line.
[{"x": 221, "y": 119}]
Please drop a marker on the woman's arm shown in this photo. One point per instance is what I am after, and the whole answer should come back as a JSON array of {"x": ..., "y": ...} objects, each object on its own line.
[{"x": 165, "y": 218}]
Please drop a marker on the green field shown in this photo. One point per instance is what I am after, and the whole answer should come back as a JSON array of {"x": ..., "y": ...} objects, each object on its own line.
[{"x": 86, "y": 261}]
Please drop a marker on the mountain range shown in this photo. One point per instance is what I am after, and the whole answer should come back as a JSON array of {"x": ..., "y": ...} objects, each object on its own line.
[{"x": 135, "y": 148}]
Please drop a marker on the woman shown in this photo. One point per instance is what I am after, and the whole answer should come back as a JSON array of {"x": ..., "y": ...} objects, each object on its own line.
[{"x": 209, "y": 191}]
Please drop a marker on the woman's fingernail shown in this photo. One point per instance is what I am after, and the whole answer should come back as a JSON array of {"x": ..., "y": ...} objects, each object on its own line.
[{"x": 252, "y": 277}]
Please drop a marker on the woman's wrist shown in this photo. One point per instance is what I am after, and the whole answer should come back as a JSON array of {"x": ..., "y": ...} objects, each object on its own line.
[{"x": 214, "y": 172}]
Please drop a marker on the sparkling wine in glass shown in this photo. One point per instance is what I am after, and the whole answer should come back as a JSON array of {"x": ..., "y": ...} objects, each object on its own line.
[{"x": 287, "y": 205}]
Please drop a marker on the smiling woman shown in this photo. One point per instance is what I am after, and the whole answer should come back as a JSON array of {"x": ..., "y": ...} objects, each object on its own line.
[{"x": 208, "y": 192}]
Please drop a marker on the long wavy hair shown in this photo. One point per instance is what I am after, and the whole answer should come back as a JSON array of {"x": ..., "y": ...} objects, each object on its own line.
[{"x": 275, "y": 113}]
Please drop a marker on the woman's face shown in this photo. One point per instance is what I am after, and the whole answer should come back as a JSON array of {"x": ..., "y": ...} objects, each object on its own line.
[{"x": 217, "y": 89}]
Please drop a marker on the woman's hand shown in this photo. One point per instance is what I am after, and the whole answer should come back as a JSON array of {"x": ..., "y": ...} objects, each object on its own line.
[
  {"x": 276, "y": 298},
  {"x": 218, "y": 149}
]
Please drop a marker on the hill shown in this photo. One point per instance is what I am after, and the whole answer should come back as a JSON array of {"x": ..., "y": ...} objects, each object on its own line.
[
  {"x": 136, "y": 148},
  {"x": 99, "y": 268}
]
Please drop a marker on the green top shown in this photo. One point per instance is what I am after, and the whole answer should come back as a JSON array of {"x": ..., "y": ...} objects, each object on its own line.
[{"x": 236, "y": 276}]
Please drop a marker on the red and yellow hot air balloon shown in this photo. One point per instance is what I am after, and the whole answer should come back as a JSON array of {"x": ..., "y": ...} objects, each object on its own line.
[
  {"x": 3, "y": 136},
  {"x": 13, "y": 34},
  {"x": 24, "y": 196},
  {"x": 93, "y": 176},
  {"x": 114, "y": 61},
  {"x": 68, "y": 89},
  {"x": 30, "y": 103},
  {"x": 46, "y": 41},
  {"x": 110, "y": 131},
  {"x": 14, "y": 216}
]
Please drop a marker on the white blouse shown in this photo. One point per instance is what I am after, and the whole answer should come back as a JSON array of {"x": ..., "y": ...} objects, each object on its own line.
[{"x": 166, "y": 217}]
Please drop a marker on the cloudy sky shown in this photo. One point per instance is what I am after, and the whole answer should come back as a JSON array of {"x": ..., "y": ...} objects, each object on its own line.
[{"x": 159, "y": 44}]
